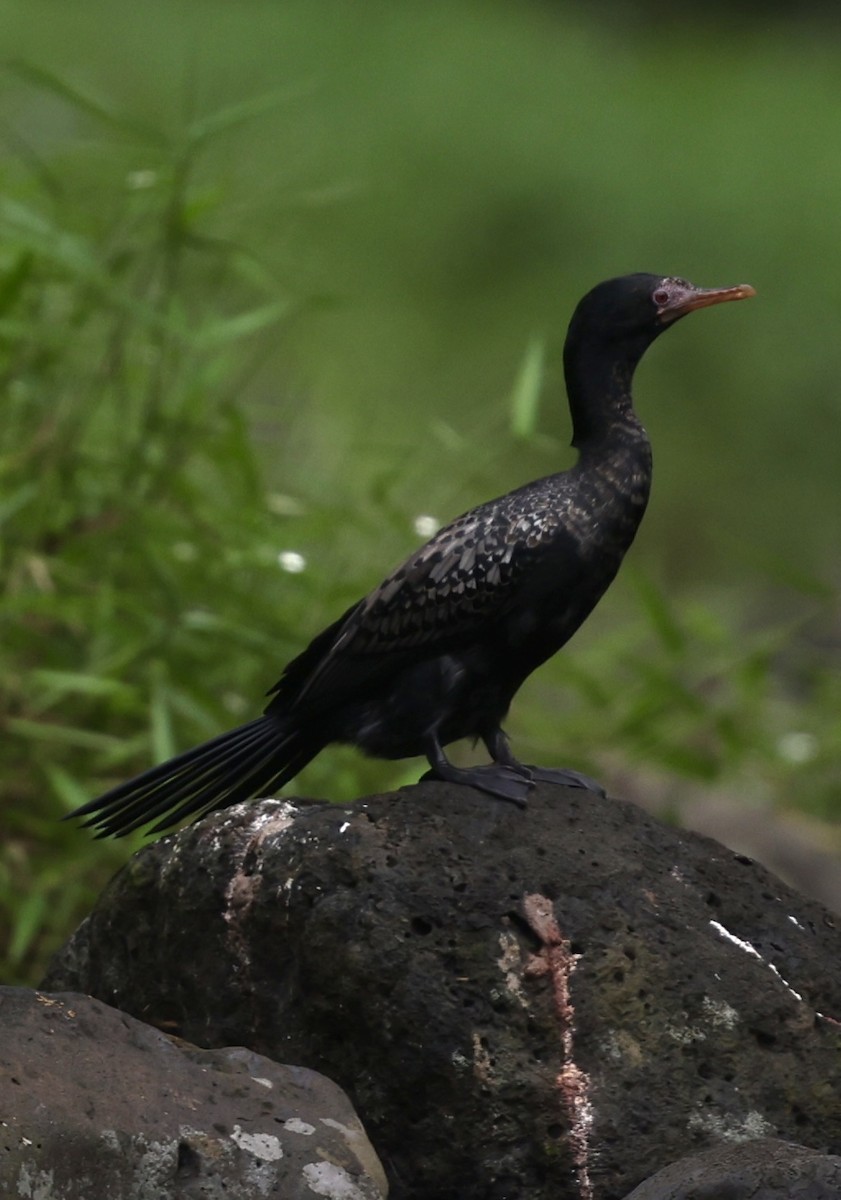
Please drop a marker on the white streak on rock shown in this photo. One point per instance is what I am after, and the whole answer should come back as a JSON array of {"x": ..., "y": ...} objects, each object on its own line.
[{"x": 749, "y": 949}]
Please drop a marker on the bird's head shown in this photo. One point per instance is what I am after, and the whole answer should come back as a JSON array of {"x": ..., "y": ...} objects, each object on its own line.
[{"x": 635, "y": 309}]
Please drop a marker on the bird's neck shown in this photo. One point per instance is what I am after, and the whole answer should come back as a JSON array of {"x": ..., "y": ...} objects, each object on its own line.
[{"x": 600, "y": 402}]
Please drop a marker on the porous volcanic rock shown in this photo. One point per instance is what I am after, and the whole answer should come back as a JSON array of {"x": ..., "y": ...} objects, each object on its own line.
[
  {"x": 764, "y": 1169},
  {"x": 95, "y": 1105},
  {"x": 553, "y": 1002}
]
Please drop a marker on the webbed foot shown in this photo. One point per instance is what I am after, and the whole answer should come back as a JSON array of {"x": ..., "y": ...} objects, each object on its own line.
[
  {"x": 499, "y": 750},
  {"x": 493, "y": 780}
]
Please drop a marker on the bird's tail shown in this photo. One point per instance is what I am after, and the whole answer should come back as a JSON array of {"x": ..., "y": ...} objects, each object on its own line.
[{"x": 245, "y": 762}]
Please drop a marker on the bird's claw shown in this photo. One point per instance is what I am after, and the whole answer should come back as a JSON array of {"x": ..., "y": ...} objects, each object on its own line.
[{"x": 566, "y": 777}]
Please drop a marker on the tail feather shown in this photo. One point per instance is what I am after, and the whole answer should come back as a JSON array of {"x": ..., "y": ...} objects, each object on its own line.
[
  {"x": 164, "y": 787},
  {"x": 195, "y": 779},
  {"x": 243, "y": 776},
  {"x": 235, "y": 766}
]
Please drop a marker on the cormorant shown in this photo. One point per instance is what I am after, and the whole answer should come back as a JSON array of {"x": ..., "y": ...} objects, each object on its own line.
[{"x": 438, "y": 650}]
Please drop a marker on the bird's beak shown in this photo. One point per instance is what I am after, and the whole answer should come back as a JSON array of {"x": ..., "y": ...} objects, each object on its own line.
[{"x": 687, "y": 300}]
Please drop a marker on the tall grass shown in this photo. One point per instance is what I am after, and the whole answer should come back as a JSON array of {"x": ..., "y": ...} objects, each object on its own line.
[{"x": 138, "y": 547}]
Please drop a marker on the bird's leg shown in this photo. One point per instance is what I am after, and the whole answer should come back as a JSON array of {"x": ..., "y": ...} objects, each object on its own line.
[
  {"x": 497, "y": 746},
  {"x": 499, "y": 750},
  {"x": 496, "y": 780}
]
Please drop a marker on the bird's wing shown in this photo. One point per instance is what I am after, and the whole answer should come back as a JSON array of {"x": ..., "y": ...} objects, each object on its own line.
[{"x": 464, "y": 578}]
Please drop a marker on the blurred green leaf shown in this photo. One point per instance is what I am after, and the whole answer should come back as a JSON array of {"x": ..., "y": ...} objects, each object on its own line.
[
  {"x": 66, "y": 787},
  {"x": 29, "y": 916},
  {"x": 18, "y": 500},
  {"x": 65, "y": 735},
  {"x": 13, "y": 280},
  {"x": 49, "y": 82},
  {"x": 62, "y": 683},
  {"x": 660, "y": 614},
  {"x": 234, "y": 115},
  {"x": 243, "y": 325},
  {"x": 162, "y": 735},
  {"x": 524, "y": 401}
]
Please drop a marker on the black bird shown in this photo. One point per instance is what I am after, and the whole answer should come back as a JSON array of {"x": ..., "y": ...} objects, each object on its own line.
[{"x": 438, "y": 650}]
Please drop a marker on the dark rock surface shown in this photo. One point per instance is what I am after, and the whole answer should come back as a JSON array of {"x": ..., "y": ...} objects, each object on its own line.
[
  {"x": 95, "y": 1105},
  {"x": 552, "y": 1003},
  {"x": 765, "y": 1169}
]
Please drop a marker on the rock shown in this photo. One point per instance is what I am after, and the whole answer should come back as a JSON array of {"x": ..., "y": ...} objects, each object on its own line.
[
  {"x": 98, "y": 1106},
  {"x": 548, "y": 1003},
  {"x": 765, "y": 1169}
]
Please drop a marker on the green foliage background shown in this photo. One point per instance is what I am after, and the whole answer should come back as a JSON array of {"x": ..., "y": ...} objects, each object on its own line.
[{"x": 283, "y": 277}]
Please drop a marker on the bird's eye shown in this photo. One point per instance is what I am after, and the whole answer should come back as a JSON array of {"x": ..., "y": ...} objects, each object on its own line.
[{"x": 661, "y": 296}]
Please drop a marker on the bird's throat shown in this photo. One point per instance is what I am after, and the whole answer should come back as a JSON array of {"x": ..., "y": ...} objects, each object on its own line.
[{"x": 600, "y": 402}]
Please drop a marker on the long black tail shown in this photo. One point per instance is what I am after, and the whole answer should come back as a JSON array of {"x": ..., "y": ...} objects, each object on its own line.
[{"x": 245, "y": 762}]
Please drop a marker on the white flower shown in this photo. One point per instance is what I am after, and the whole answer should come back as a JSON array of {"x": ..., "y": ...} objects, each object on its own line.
[
  {"x": 292, "y": 561},
  {"x": 426, "y": 526}
]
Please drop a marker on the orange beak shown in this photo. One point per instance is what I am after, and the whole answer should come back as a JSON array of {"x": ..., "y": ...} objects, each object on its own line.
[{"x": 690, "y": 298}]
